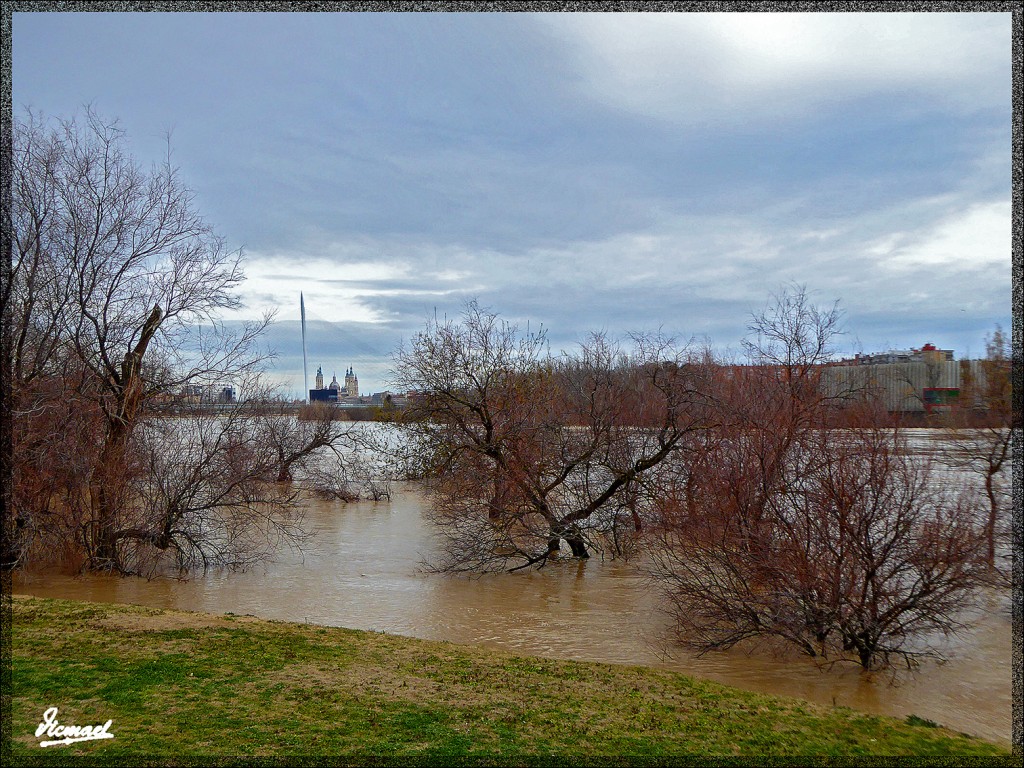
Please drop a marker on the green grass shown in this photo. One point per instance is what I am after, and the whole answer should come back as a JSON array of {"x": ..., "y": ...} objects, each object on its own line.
[{"x": 185, "y": 686}]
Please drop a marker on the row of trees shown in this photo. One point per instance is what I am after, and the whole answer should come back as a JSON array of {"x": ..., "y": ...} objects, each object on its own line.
[
  {"x": 112, "y": 297},
  {"x": 770, "y": 505},
  {"x": 523, "y": 450}
]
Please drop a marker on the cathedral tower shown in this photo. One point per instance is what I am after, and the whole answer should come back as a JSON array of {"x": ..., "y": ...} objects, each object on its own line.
[{"x": 351, "y": 383}]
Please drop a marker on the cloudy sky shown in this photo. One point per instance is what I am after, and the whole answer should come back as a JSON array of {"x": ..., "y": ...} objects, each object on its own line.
[{"x": 615, "y": 172}]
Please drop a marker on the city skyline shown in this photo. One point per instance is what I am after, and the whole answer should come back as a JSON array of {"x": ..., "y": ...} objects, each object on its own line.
[{"x": 579, "y": 172}]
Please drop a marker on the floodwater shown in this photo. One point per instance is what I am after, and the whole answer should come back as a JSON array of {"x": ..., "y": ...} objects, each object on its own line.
[{"x": 364, "y": 570}]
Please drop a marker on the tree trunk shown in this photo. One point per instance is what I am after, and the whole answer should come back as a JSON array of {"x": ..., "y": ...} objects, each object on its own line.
[
  {"x": 107, "y": 493},
  {"x": 108, "y": 486},
  {"x": 572, "y": 537},
  {"x": 638, "y": 523},
  {"x": 284, "y": 473},
  {"x": 990, "y": 527},
  {"x": 498, "y": 498},
  {"x": 578, "y": 547},
  {"x": 866, "y": 655}
]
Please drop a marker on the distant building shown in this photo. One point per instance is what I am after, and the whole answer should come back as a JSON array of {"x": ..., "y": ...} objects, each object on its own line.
[
  {"x": 927, "y": 380},
  {"x": 191, "y": 393},
  {"x": 929, "y": 353},
  {"x": 351, "y": 384},
  {"x": 206, "y": 393},
  {"x": 334, "y": 392},
  {"x": 387, "y": 400}
]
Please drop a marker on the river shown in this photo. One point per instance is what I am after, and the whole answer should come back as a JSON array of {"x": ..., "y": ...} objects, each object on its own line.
[{"x": 363, "y": 570}]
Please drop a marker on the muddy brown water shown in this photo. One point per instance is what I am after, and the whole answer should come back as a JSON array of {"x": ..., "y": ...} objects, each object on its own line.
[{"x": 363, "y": 570}]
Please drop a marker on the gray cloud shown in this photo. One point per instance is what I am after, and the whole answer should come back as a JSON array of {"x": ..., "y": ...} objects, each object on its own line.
[{"x": 583, "y": 171}]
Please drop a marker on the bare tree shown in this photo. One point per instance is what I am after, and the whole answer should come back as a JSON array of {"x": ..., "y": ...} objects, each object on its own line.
[
  {"x": 33, "y": 294},
  {"x": 978, "y": 435},
  {"x": 858, "y": 555},
  {"x": 200, "y": 486},
  {"x": 297, "y": 441},
  {"x": 144, "y": 269},
  {"x": 116, "y": 292},
  {"x": 36, "y": 293},
  {"x": 54, "y": 439},
  {"x": 525, "y": 450},
  {"x": 204, "y": 491},
  {"x": 801, "y": 518},
  {"x": 359, "y": 471},
  {"x": 325, "y": 453},
  {"x": 793, "y": 338}
]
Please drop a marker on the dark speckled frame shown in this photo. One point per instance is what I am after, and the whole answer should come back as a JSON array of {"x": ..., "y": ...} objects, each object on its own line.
[{"x": 1014, "y": 6}]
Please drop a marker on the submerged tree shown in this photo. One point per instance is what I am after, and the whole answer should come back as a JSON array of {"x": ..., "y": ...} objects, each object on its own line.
[
  {"x": 203, "y": 491},
  {"x": 524, "y": 450},
  {"x": 115, "y": 298},
  {"x": 298, "y": 441},
  {"x": 979, "y": 436},
  {"x": 793, "y": 525},
  {"x": 855, "y": 553}
]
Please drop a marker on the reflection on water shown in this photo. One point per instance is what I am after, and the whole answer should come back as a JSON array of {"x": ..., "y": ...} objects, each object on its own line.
[{"x": 363, "y": 571}]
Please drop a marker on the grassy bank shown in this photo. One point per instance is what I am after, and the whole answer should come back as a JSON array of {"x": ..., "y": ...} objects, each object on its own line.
[{"x": 187, "y": 685}]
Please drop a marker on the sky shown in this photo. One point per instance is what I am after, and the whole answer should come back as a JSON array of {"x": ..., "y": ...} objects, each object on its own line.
[{"x": 580, "y": 172}]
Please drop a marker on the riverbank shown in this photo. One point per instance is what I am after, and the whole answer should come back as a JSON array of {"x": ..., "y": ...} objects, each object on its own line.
[{"x": 179, "y": 685}]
